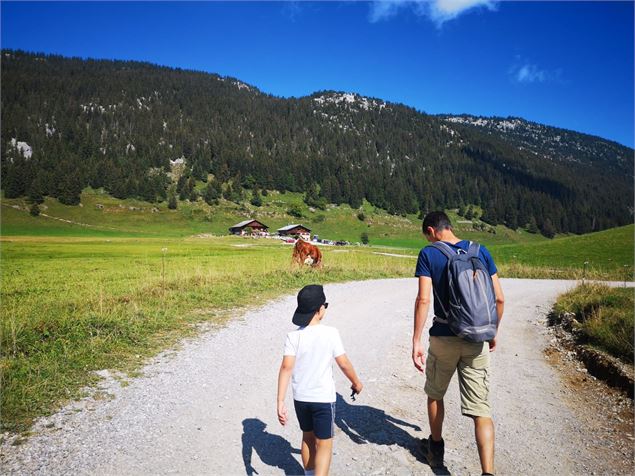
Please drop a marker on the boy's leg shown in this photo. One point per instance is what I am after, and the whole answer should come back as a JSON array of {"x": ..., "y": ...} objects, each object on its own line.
[
  {"x": 308, "y": 450},
  {"x": 304, "y": 412},
  {"x": 324, "y": 429},
  {"x": 436, "y": 413},
  {"x": 323, "y": 456}
]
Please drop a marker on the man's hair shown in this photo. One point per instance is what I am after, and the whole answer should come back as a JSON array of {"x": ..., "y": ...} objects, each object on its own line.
[{"x": 437, "y": 220}]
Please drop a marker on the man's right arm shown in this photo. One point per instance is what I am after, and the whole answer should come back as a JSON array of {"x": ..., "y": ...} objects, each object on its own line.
[{"x": 422, "y": 304}]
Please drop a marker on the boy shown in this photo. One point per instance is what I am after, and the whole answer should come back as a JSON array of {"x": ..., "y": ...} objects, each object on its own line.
[{"x": 308, "y": 356}]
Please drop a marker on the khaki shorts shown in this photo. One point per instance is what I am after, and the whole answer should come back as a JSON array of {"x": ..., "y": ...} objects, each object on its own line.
[{"x": 447, "y": 354}]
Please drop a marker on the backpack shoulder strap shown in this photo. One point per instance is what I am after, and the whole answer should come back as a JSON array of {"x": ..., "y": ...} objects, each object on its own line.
[
  {"x": 444, "y": 248},
  {"x": 474, "y": 249}
]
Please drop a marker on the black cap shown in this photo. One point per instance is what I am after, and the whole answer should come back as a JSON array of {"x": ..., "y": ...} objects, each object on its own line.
[{"x": 310, "y": 298}]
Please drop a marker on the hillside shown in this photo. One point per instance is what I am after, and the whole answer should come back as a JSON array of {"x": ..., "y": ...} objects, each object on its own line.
[
  {"x": 134, "y": 129},
  {"x": 608, "y": 250},
  {"x": 103, "y": 215}
]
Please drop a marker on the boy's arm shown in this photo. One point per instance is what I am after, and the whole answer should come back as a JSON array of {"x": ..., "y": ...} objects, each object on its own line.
[
  {"x": 422, "y": 304},
  {"x": 286, "y": 369},
  {"x": 347, "y": 369}
]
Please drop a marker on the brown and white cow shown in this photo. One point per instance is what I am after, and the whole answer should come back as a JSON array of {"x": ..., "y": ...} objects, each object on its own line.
[{"x": 306, "y": 253}]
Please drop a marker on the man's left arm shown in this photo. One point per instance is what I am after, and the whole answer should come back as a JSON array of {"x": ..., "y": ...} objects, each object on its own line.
[
  {"x": 500, "y": 307},
  {"x": 422, "y": 304}
]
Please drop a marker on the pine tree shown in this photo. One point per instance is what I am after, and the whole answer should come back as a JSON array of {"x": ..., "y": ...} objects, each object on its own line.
[
  {"x": 172, "y": 203},
  {"x": 34, "y": 193},
  {"x": 212, "y": 193},
  {"x": 70, "y": 189},
  {"x": 548, "y": 229},
  {"x": 256, "y": 199}
]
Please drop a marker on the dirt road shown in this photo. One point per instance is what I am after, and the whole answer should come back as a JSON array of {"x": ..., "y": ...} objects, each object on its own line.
[{"x": 209, "y": 408}]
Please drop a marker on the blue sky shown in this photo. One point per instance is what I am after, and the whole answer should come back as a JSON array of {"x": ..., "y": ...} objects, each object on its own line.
[{"x": 568, "y": 64}]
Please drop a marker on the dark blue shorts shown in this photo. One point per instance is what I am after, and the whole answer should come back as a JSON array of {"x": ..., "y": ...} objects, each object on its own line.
[{"x": 316, "y": 417}]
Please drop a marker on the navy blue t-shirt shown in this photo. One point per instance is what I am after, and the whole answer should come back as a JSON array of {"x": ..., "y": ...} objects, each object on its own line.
[{"x": 433, "y": 263}]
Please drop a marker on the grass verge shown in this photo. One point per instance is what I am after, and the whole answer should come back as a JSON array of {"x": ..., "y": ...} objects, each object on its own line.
[{"x": 604, "y": 317}]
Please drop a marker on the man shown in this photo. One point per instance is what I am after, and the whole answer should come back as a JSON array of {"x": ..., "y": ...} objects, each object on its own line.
[{"x": 449, "y": 353}]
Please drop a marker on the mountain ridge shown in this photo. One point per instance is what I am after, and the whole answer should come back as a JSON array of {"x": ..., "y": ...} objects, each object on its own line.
[{"x": 121, "y": 124}]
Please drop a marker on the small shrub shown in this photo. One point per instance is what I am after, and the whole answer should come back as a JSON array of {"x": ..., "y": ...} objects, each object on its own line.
[
  {"x": 295, "y": 211},
  {"x": 364, "y": 238}
]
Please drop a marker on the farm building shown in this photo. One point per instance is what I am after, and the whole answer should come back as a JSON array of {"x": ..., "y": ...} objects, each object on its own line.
[
  {"x": 244, "y": 226},
  {"x": 300, "y": 231}
]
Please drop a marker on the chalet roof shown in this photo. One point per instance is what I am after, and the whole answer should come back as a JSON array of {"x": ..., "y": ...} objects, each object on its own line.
[
  {"x": 291, "y": 227},
  {"x": 247, "y": 222}
]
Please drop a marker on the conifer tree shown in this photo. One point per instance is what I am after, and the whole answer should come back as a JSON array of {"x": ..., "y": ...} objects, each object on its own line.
[
  {"x": 256, "y": 199},
  {"x": 172, "y": 202}
]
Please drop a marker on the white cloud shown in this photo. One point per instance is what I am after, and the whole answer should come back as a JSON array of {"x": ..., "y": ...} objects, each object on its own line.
[
  {"x": 530, "y": 73},
  {"x": 525, "y": 72},
  {"x": 439, "y": 11}
]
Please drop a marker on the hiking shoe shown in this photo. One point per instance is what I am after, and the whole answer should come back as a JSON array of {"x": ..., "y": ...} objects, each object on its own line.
[{"x": 433, "y": 451}]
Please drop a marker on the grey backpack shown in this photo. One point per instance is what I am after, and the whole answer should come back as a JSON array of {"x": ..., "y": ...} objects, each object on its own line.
[{"x": 471, "y": 314}]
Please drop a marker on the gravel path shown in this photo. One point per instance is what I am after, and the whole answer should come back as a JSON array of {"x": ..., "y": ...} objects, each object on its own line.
[{"x": 209, "y": 408}]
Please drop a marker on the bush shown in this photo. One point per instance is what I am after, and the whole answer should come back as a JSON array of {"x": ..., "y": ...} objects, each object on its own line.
[
  {"x": 361, "y": 216},
  {"x": 364, "y": 238},
  {"x": 34, "y": 210},
  {"x": 295, "y": 211}
]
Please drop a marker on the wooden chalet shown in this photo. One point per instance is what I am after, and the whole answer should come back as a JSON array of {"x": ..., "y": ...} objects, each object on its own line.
[
  {"x": 254, "y": 225},
  {"x": 299, "y": 231}
]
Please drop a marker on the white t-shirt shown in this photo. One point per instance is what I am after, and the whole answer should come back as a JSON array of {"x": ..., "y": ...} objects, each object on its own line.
[{"x": 314, "y": 348}]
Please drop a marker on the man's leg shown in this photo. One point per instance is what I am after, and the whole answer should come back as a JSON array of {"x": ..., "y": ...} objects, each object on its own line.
[
  {"x": 484, "y": 433},
  {"x": 323, "y": 456},
  {"x": 474, "y": 389},
  {"x": 436, "y": 413},
  {"x": 308, "y": 450}
]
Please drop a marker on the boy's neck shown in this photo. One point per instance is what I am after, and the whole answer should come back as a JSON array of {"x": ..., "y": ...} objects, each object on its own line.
[{"x": 315, "y": 321}]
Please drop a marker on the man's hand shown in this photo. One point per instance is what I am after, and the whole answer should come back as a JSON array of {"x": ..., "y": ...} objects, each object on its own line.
[
  {"x": 418, "y": 356},
  {"x": 492, "y": 345},
  {"x": 282, "y": 413},
  {"x": 357, "y": 387}
]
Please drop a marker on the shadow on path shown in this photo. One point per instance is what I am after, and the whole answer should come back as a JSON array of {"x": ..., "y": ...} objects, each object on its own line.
[
  {"x": 272, "y": 449},
  {"x": 364, "y": 424}
]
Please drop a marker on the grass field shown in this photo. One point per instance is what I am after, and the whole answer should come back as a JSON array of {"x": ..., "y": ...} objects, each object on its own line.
[
  {"x": 107, "y": 284},
  {"x": 608, "y": 255},
  {"x": 74, "y": 305}
]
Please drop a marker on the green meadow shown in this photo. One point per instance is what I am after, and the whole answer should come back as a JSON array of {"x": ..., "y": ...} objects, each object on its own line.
[
  {"x": 111, "y": 283},
  {"x": 74, "y": 305}
]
